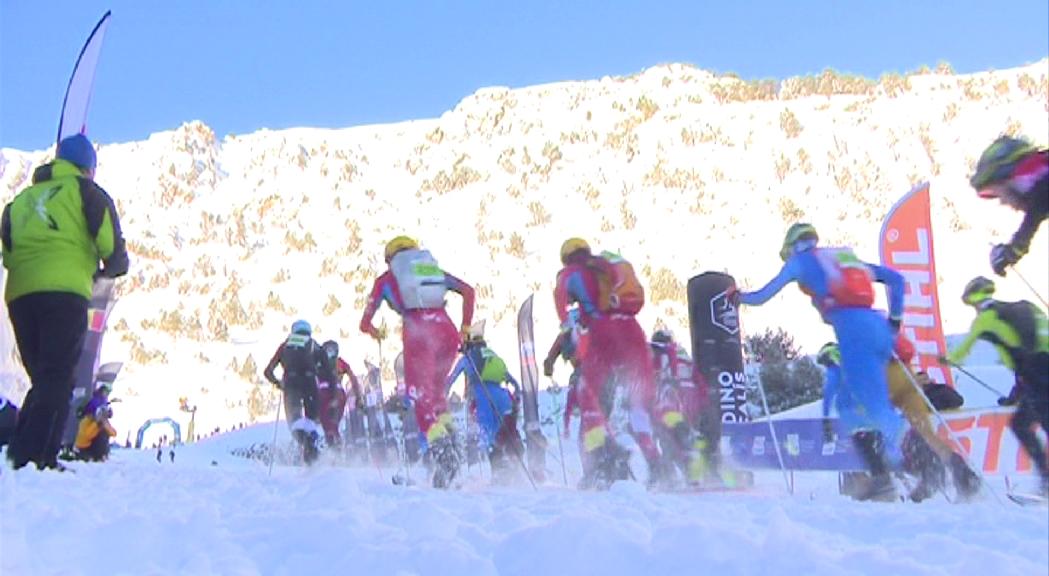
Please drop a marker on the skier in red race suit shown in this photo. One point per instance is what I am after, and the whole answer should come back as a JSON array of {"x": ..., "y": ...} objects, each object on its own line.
[
  {"x": 414, "y": 286},
  {"x": 616, "y": 348},
  {"x": 687, "y": 419},
  {"x": 331, "y": 395}
]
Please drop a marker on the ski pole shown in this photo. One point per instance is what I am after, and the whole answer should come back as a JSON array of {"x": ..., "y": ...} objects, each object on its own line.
[
  {"x": 772, "y": 429},
  {"x": 379, "y": 342},
  {"x": 557, "y": 432},
  {"x": 491, "y": 403},
  {"x": 1029, "y": 286},
  {"x": 374, "y": 420},
  {"x": 466, "y": 435},
  {"x": 379, "y": 384},
  {"x": 775, "y": 439},
  {"x": 1024, "y": 280},
  {"x": 276, "y": 425},
  {"x": 943, "y": 422},
  {"x": 975, "y": 379}
]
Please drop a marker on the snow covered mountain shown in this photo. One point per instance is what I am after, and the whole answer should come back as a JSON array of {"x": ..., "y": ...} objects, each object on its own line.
[{"x": 683, "y": 171}]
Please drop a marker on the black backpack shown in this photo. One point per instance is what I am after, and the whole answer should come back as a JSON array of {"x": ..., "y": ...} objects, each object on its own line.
[
  {"x": 1023, "y": 317},
  {"x": 298, "y": 357},
  {"x": 943, "y": 397}
]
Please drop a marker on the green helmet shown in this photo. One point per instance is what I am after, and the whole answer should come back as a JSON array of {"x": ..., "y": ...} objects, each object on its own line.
[
  {"x": 997, "y": 161},
  {"x": 829, "y": 355},
  {"x": 796, "y": 233},
  {"x": 977, "y": 290}
]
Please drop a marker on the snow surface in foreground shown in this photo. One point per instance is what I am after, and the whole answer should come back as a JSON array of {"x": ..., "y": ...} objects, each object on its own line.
[{"x": 135, "y": 516}]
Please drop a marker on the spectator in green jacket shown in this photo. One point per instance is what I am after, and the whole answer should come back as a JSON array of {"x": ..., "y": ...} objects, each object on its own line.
[{"x": 54, "y": 234}]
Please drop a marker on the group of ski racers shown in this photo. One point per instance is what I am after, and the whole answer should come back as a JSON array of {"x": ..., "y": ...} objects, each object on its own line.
[
  {"x": 669, "y": 412},
  {"x": 670, "y": 415}
]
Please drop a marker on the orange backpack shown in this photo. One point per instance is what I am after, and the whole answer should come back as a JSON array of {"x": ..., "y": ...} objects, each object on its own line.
[{"x": 619, "y": 290}]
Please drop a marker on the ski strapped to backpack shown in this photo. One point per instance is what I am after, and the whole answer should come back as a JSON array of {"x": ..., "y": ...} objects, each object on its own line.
[
  {"x": 619, "y": 290},
  {"x": 419, "y": 279}
]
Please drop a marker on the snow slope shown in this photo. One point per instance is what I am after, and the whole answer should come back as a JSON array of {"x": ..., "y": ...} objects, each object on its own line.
[{"x": 134, "y": 516}]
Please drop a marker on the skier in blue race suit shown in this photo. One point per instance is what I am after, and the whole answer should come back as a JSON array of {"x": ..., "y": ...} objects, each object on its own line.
[
  {"x": 840, "y": 286},
  {"x": 492, "y": 404}
]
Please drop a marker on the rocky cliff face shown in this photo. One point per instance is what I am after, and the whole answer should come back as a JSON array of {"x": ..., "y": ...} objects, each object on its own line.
[{"x": 680, "y": 170}]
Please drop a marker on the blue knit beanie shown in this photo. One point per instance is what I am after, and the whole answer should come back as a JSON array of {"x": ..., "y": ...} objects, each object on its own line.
[{"x": 78, "y": 150}]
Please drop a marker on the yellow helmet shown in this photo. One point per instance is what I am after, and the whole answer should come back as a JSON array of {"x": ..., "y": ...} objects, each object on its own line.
[
  {"x": 399, "y": 243},
  {"x": 571, "y": 246}
]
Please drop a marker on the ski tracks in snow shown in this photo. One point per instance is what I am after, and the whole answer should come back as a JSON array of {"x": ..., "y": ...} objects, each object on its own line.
[{"x": 133, "y": 516}]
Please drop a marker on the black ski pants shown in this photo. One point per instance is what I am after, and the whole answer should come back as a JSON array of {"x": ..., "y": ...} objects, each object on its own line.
[
  {"x": 300, "y": 398},
  {"x": 1033, "y": 409},
  {"x": 49, "y": 328}
]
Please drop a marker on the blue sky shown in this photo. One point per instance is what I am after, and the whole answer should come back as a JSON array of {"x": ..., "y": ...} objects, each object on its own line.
[{"x": 240, "y": 66}]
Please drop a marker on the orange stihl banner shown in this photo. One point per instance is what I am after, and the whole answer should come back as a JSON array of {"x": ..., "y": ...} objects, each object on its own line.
[
  {"x": 906, "y": 246},
  {"x": 986, "y": 438}
]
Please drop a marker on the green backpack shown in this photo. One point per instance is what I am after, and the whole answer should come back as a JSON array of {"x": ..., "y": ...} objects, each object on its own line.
[{"x": 494, "y": 369}]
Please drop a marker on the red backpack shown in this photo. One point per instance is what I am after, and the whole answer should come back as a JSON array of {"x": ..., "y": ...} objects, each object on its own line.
[
  {"x": 619, "y": 290},
  {"x": 849, "y": 280}
]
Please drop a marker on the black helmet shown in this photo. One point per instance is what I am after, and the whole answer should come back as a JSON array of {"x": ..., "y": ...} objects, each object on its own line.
[
  {"x": 331, "y": 348},
  {"x": 977, "y": 290},
  {"x": 829, "y": 355},
  {"x": 998, "y": 160},
  {"x": 663, "y": 336}
]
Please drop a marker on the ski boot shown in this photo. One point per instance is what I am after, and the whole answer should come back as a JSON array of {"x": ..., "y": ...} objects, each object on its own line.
[
  {"x": 614, "y": 464},
  {"x": 500, "y": 465},
  {"x": 445, "y": 460},
  {"x": 610, "y": 463},
  {"x": 308, "y": 441},
  {"x": 965, "y": 480},
  {"x": 925, "y": 489},
  {"x": 678, "y": 454},
  {"x": 881, "y": 487},
  {"x": 921, "y": 462},
  {"x": 661, "y": 474},
  {"x": 54, "y": 465},
  {"x": 702, "y": 468}
]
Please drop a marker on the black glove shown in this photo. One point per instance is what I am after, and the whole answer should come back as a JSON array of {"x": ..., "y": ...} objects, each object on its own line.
[
  {"x": 894, "y": 323},
  {"x": 1004, "y": 256},
  {"x": 548, "y": 367},
  {"x": 828, "y": 430}
]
